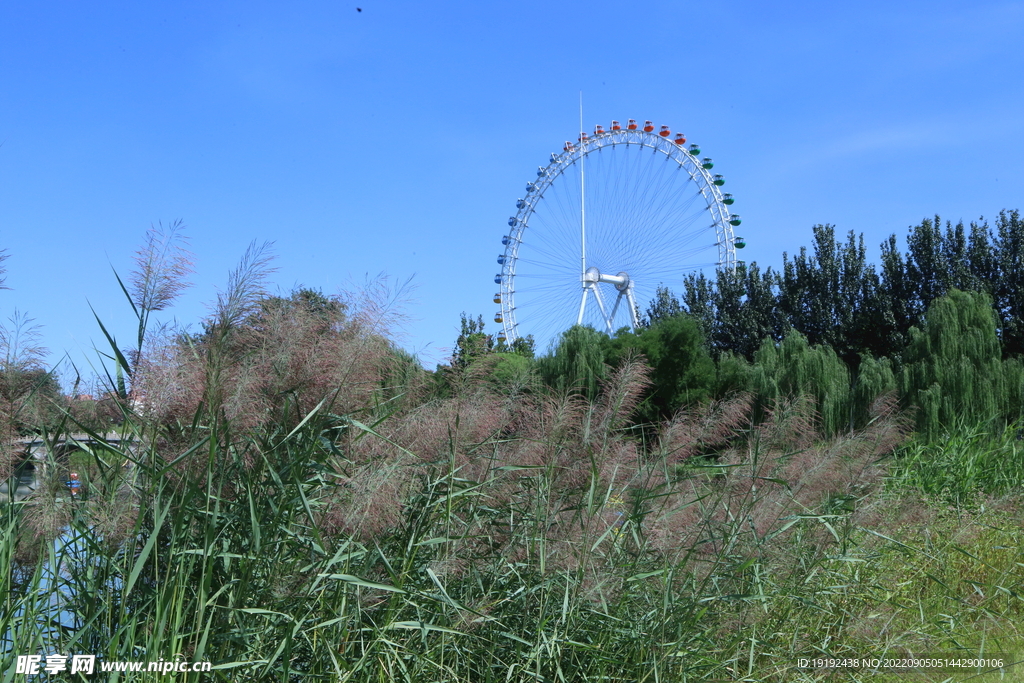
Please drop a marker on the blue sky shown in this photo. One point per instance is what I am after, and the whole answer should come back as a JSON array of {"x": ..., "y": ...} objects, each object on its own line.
[{"x": 396, "y": 140}]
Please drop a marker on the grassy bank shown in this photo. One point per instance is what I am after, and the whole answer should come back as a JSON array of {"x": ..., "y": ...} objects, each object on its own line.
[
  {"x": 434, "y": 545},
  {"x": 285, "y": 496}
]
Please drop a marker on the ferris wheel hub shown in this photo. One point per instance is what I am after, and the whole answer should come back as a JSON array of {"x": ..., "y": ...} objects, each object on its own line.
[
  {"x": 624, "y": 282},
  {"x": 594, "y": 275}
]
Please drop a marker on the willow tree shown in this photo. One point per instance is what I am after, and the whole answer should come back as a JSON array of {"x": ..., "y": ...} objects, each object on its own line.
[
  {"x": 578, "y": 362},
  {"x": 954, "y": 370},
  {"x": 795, "y": 368},
  {"x": 875, "y": 378}
]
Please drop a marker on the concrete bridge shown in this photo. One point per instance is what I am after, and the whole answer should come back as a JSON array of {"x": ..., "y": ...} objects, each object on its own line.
[{"x": 37, "y": 454}]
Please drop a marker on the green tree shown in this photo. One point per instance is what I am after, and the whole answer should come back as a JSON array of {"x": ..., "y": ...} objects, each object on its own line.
[
  {"x": 927, "y": 266},
  {"x": 795, "y": 368},
  {"x": 874, "y": 379},
  {"x": 1009, "y": 289},
  {"x": 894, "y": 302},
  {"x": 682, "y": 371},
  {"x": 521, "y": 346},
  {"x": 982, "y": 259},
  {"x": 578, "y": 362},
  {"x": 746, "y": 308},
  {"x": 664, "y": 305},
  {"x": 473, "y": 347},
  {"x": 512, "y": 373},
  {"x": 728, "y": 331},
  {"x": 732, "y": 375},
  {"x": 957, "y": 256},
  {"x": 473, "y": 343},
  {"x": 831, "y": 297},
  {"x": 699, "y": 302},
  {"x": 954, "y": 369},
  {"x": 734, "y": 312}
]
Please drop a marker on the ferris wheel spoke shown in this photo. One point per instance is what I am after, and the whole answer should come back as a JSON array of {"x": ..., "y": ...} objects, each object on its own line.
[{"x": 544, "y": 264}]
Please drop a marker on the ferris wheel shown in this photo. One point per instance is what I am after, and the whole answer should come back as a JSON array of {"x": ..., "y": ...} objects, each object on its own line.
[{"x": 611, "y": 218}]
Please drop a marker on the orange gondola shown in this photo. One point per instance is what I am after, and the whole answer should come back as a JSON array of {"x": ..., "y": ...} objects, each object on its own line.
[
  {"x": 632, "y": 125},
  {"x": 648, "y": 126},
  {"x": 680, "y": 139},
  {"x": 664, "y": 132},
  {"x": 616, "y": 126}
]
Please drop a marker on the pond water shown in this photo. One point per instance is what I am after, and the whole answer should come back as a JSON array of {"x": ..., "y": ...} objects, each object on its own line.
[
  {"x": 51, "y": 598},
  {"x": 24, "y": 482}
]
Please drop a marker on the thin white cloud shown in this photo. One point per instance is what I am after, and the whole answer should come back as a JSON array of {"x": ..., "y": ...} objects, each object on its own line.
[{"x": 955, "y": 134}]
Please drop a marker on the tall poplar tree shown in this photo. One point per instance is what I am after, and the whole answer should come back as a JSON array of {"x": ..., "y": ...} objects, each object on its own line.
[{"x": 1009, "y": 288}]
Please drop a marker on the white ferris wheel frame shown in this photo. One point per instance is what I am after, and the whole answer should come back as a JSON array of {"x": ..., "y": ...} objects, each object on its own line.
[{"x": 591, "y": 277}]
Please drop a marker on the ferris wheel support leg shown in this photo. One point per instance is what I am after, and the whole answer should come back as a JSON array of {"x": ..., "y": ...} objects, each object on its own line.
[
  {"x": 583, "y": 305},
  {"x": 615, "y": 309},
  {"x": 604, "y": 311},
  {"x": 632, "y": 307}
]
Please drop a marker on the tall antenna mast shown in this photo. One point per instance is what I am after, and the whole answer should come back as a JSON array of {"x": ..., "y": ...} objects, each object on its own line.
[
  {"x": 583, "y": 192},
  {"x": 584, "y": 283}
]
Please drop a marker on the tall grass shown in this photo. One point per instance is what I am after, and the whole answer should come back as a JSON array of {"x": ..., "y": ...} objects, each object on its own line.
[
  {"x": 269, "y": 506},
  {"x": 964, "y": 464}
]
